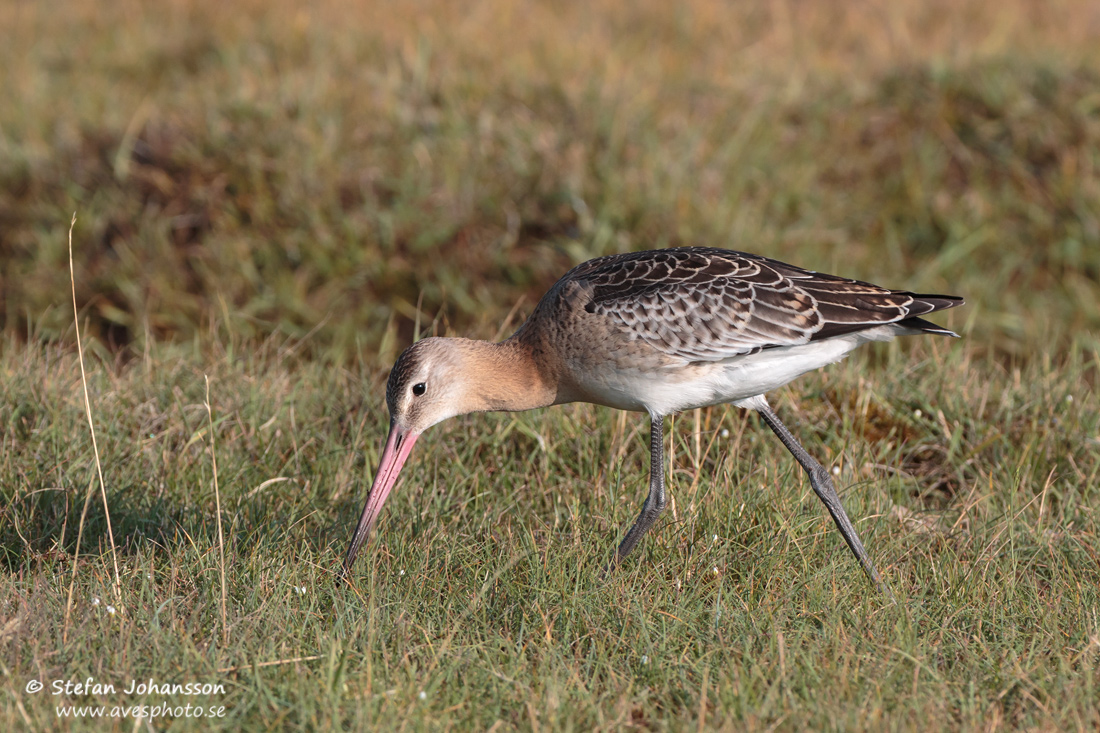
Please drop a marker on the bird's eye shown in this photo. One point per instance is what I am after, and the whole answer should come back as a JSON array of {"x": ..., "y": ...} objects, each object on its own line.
[{"x": 418, "y": 388}]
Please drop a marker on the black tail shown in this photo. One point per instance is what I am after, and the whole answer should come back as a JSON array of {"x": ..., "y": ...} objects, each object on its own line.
[
  {"x": 923, "y": 326},
  {"x": 923, "y": 304}
]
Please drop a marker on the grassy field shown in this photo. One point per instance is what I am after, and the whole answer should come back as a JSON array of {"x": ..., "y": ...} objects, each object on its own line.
[{"x": 277, "y": 199}]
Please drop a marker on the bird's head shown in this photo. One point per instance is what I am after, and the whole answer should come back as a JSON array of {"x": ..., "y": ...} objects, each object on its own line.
[
  {"x": 425, "y": 387},
  {"x": 438, "y": 378}
]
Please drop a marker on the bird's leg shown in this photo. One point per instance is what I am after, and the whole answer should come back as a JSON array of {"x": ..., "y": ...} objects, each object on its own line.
[
  {"x": 655, "y": 502},
  {"x": 822, "y": 485}
]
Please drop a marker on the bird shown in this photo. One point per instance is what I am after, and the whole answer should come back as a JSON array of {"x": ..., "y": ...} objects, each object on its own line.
[{"x": 656, "y": 332}]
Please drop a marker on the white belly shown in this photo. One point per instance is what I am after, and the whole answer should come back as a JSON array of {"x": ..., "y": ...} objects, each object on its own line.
[{"x": 687, "y": 386}]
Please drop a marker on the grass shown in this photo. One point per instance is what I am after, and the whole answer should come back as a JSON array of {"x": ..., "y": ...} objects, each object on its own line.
[
  {"x": 480, "y": 589},
  {"x": 279, "y": 199}
]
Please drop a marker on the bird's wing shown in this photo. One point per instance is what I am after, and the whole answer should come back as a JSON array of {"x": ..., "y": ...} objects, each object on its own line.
[{"x": 704, "y": 304}]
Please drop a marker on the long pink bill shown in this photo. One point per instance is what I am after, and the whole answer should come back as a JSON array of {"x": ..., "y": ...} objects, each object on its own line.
[{"x": 398, "y": 446}]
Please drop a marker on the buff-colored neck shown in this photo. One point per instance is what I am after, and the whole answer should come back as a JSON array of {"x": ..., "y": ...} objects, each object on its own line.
[{"x": 511, "y": 375}]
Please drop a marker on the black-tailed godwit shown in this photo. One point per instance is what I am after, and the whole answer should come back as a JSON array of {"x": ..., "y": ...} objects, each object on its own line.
[{"x": 656, "y": 332}]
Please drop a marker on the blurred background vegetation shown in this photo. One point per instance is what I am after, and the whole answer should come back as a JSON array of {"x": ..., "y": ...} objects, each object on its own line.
[
  {"x": 270, "y": 196},
  {"x": 258, "y": 168}
]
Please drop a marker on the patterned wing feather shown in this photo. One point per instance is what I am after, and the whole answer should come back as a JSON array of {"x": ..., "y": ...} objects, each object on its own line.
[{"x": 704, "y": 304}]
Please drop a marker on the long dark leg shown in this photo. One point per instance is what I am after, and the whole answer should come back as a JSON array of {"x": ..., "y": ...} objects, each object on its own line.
[
  {"x": 655, "y": 502},
  {"x": 822, "y": 485}
]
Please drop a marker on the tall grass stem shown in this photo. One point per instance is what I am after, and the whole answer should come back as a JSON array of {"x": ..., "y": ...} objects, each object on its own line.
[
  {"x": 95, "y": 451},
  {"x": 218, "y": 510}
]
